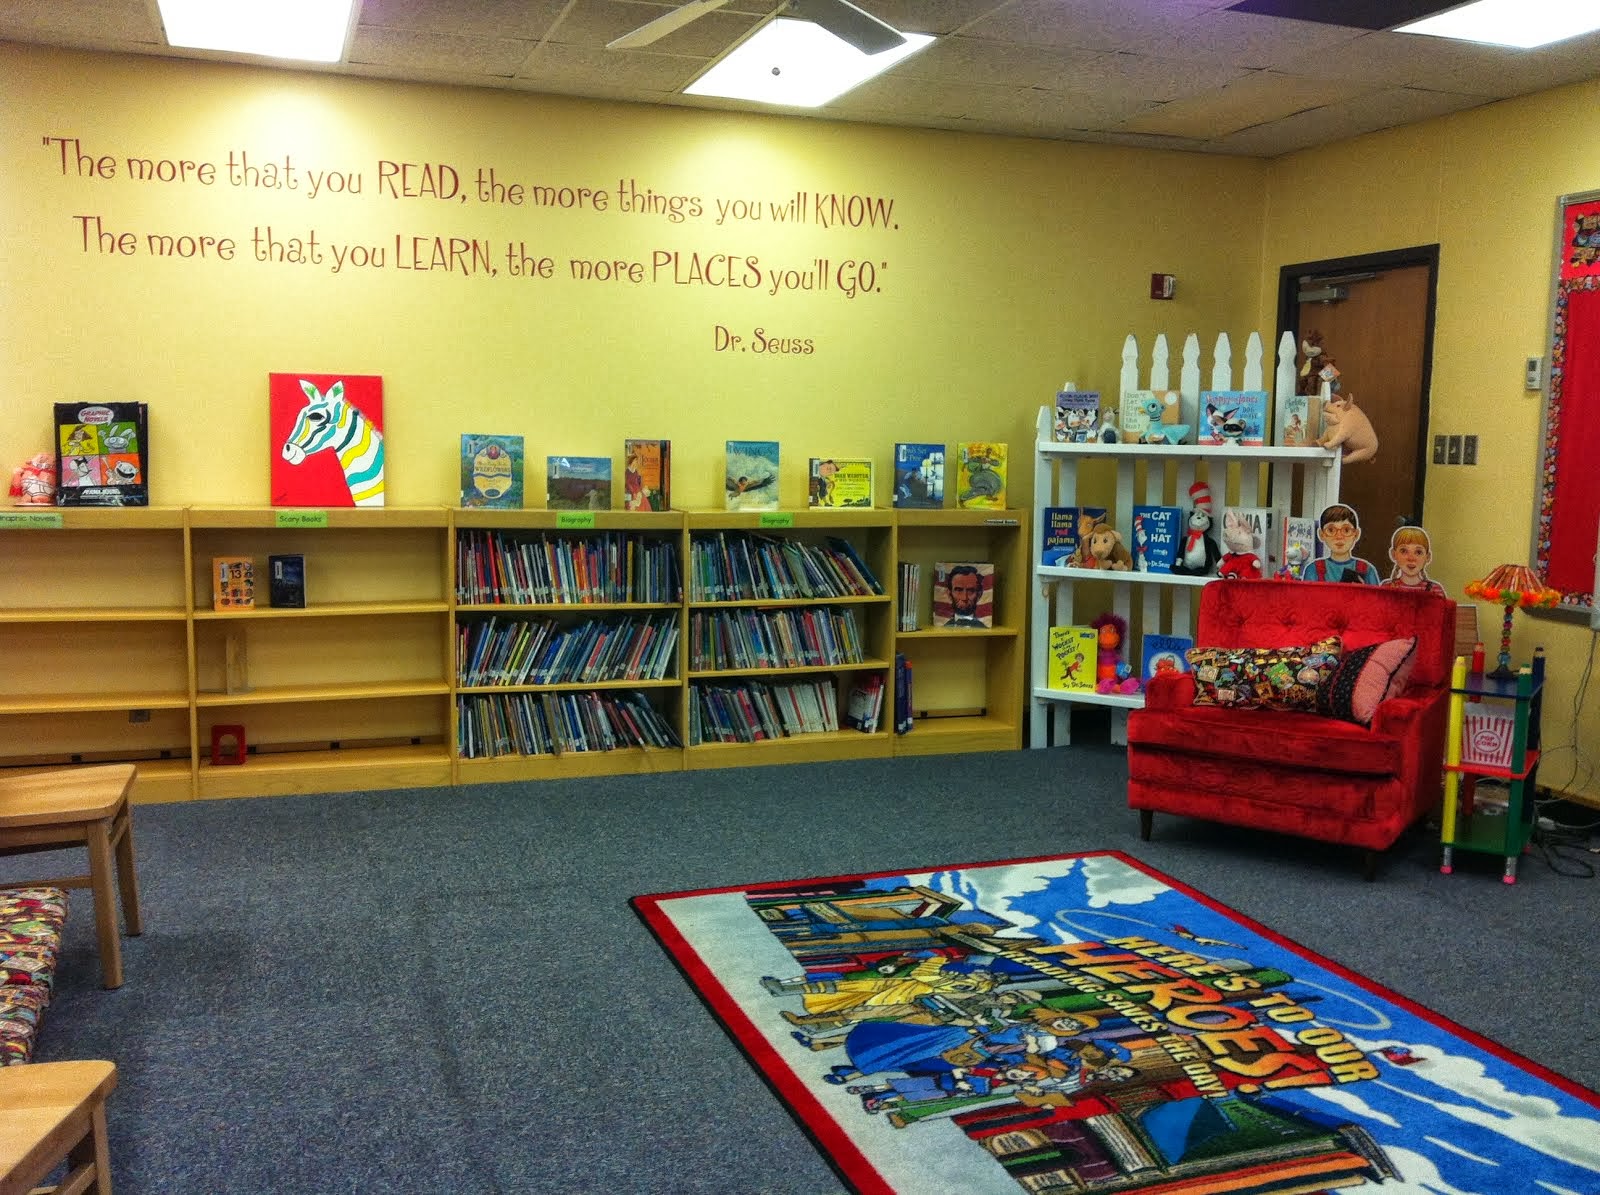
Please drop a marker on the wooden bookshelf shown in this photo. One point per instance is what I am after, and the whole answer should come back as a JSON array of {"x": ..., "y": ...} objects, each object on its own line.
[{"x": 360, "y": 688}]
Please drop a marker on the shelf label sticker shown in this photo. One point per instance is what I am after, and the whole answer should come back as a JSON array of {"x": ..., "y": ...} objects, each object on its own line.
[
  {"x": 574, "y": 520},
  {"x": 776, "y": 518},
  {"x": 31, "y": 520},
  {"x": 300, "y": 518},
  {"x": 1002, "y": 522}
]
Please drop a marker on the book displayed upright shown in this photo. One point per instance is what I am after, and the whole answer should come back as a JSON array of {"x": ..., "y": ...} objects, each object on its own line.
[
  {"x": 286, "y": 581},
  {"x": 578, "y": 483},
  {"x": 1063, "y": 529},
  {"x": 919, "y": 475},
  {"x": 1163, "y": 653},
  {"x": 840, "y": 481},
  {"x": 1294, "y": 542},
  {"x": 981, "y": 483},
  {"x": 1236, "y": 417},
  {"x": 752, "y": 475},
  {"x": 647, "y": 475},
  {"x": 491, "y": 472},
  {"x": 1070, "y": 659},
  {"x": 1077, "y": 416},
  {"x": 1151, "y": 417},
  {"x": 1154, "y": 542},
  {"x": 326, "y": 439},
  {"x": 102, "y": 454},
  {"x": 963, "y": 594},
  {"x": 1301, "y": 423},
  {"x": 233, "y": 583}
]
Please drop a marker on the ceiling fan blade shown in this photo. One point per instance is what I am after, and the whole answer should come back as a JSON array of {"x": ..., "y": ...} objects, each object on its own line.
[
  {"x": 850, "y": 24},
  {"x": 664, "y": 24}
]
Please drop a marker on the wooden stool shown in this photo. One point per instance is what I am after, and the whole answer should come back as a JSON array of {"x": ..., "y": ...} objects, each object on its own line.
[
  {"x": 88, "y": 807},
  {"x": 54, "y": 1112}
]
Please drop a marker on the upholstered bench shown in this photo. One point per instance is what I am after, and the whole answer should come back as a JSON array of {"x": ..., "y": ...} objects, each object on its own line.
[{"x": 31, "y": 920}]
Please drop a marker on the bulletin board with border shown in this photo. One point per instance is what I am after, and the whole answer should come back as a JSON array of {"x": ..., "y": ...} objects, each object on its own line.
[{"x": 1567, "y": 516}]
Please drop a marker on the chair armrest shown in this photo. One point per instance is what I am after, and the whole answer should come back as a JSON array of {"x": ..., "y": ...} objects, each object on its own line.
[
  {"x": 1398, "y": 715},
  {"x": 1169, "y": 691}
]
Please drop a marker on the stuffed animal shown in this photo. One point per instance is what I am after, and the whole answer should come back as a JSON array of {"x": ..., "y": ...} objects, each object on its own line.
[
  {"x": 1107, "y": 551},
  {"x": 1112, "y": 673},
  {"x": 33, "y": 483},
  {"x": 1346, "y": 426},
  {"x": 1197, "y": 549},
  {"x": 1240, "y": 562},
  {"x": 1310, "y": 379}
]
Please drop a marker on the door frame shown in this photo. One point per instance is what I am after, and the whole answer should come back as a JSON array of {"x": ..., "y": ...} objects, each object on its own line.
[{"x": 1417, "y": 255}]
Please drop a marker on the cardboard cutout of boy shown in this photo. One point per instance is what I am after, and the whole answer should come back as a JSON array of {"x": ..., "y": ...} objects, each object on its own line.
[{"x": 1339, "y": 529}]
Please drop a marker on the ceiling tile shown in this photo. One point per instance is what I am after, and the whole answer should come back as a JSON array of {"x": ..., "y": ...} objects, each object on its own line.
[
  {"x": 1252, "y": 100},
  {"x": 523, "y": 19},
  {"x": 1362, "y": 114},
  {"x": 577, "y": 70},
  {"x": 495, "y": 56},
  {"x": 97, "y": 21}
]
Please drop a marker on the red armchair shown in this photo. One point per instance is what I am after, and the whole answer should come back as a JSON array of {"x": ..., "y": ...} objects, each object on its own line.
[{"x": 1300, "y": 773}]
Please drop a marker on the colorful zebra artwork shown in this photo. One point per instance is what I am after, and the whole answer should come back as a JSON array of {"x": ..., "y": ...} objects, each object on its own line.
[{"x": 328, "y": 429}]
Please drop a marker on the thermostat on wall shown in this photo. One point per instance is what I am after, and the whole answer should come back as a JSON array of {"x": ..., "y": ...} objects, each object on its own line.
[{"x": 1534, "y": 374}]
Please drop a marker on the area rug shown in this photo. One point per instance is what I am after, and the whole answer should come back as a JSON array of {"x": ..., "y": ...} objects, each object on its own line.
[{"x": 1083, "y": 1023}]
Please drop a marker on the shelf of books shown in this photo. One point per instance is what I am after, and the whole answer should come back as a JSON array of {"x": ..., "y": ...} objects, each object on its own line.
[
  {"x": 323, "y": 638},
  {"x": 94, "y": 642},
  {"x": 960, "y": 629},
  {"x": 788, "y": 624},
  {"x": 567, "y": 643},
  {"x": 1115, "y": 557}
]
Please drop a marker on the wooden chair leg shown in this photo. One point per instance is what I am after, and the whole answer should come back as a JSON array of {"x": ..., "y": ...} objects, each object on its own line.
[
  {"x": 128, "y": 875},
  {"x": 1369, "y": 866},
  {"x": 102, "y": 880},
  {"x": 1147, "y": 819}
]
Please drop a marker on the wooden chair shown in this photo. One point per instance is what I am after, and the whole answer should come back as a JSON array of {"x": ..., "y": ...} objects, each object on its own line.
[
  {"x": 54, "y": 1112},
  {"x": 88, "y": 807}
]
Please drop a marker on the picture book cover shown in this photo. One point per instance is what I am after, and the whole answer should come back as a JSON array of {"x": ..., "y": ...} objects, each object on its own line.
[
  {"x": 326, "y": 431},
  {"x": 919, "y": 475},
  {"x": 286, "y": 581},
  {"x": 1152, "y": 417},
  {"x": 1063, "y": 529},
  {"x": 1155, "y": 532},
  {"x": 841, "y": 481},
  {"x": 647, "y": 475},
  {"x": 1070, "y": 663},
  {"x": 1301, "y": 422},
  {"x": 1246, "y": 542},
  {"x": 982, "y": 476},
  {"x": 963, "y": 594},
  {"x": 1077, "y": 416},
  {"x": 1295, "y": 542},
  {"x": 752, "y": 474},
  {"x": 233, "y": 583},
  {"x": 1164, "y": 653},
  {"x": 1236, "y": 417},
  {"x": 491, "y": 472},
  {"x": 578, "y": 483},
  {"x": 102, "y": 454}
]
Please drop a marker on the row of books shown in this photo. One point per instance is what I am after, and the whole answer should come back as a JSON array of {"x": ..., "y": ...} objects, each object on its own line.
[
  {"x": 739, "y": 566},
  {"x": 495, "y": 724},
  {"x": 233, "y": 582},
  {"x": 903, "y": 707},
  {"x": 1238, "y": 417},
  {"x": 531, "y": 651},
  {"x": 1156, "y": 535},
  {"x": 753, "y": 711},
  {"x": 864, "y": 707},
  {"x": 909, "y": 616},
  {"x": 493, "y": 476},
  {"x": 785, "y": 638},
  {"x": 511, "y": 567},
  {"x": 1072, "y": 659}
]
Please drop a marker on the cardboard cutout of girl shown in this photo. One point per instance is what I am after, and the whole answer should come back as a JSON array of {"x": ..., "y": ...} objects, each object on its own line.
[{"x": 1411, "y": 552}]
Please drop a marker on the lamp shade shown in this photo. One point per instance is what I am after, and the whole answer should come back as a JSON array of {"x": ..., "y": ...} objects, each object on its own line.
[{"x": 1513, "y": 585}]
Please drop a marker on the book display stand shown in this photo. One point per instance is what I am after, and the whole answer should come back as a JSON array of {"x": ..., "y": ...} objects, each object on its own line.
[{"x": 383, "y": 679}]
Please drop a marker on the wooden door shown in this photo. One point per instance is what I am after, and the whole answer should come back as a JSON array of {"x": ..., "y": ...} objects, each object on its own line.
[{"x": 1379, "y": 335}]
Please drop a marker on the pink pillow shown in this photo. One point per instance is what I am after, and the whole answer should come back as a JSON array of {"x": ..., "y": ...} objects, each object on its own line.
[{"x": 1367, "y": 677}]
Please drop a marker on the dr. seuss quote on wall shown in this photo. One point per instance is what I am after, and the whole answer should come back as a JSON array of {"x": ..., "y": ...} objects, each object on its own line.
[{"x": 411, "y": 190}]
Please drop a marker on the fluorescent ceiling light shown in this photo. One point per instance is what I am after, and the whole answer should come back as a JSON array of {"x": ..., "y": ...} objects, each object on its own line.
[
  {"x": 798, "y": 65},
  {"x": 306, "y": 30},
  {"x": 1519, "y": 23}
]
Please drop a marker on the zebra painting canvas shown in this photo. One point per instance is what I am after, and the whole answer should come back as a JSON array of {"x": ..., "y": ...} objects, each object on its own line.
[{"x": 328, "y": 430}]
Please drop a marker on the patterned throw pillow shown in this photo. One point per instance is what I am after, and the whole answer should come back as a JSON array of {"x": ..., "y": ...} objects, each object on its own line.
[
  {"x": 1367, "y": 677},
  {"x": 1285, "y": 678}
]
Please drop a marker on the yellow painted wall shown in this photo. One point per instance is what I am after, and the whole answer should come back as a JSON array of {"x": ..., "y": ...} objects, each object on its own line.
[
  {"x": 1011, "y": 266},
  {"x": 1483, "y": 185}
]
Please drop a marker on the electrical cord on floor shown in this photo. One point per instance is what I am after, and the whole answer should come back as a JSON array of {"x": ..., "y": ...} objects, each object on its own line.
[{"x": 1582, "y": 766}]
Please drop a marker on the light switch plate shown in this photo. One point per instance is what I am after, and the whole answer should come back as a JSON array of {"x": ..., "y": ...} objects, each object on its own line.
[
  {"x": 1469, "y": 450},
  {"x": 1438, "y": 450},
  {"x": 1452, "y": 452}
]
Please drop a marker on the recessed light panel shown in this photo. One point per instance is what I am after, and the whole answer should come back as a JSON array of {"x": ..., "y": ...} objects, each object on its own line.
[
  {"x": 1522, "y": 24},
  {"x": 796, "y": 64},
  {"x": 304, "y": 30}
]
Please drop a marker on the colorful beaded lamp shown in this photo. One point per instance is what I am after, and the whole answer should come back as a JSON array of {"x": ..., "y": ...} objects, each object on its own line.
[{"x": 1511, "y": 586}]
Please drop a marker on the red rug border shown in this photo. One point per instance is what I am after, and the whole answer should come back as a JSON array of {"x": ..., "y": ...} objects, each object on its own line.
[{"x": 836, "y": 1144}]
